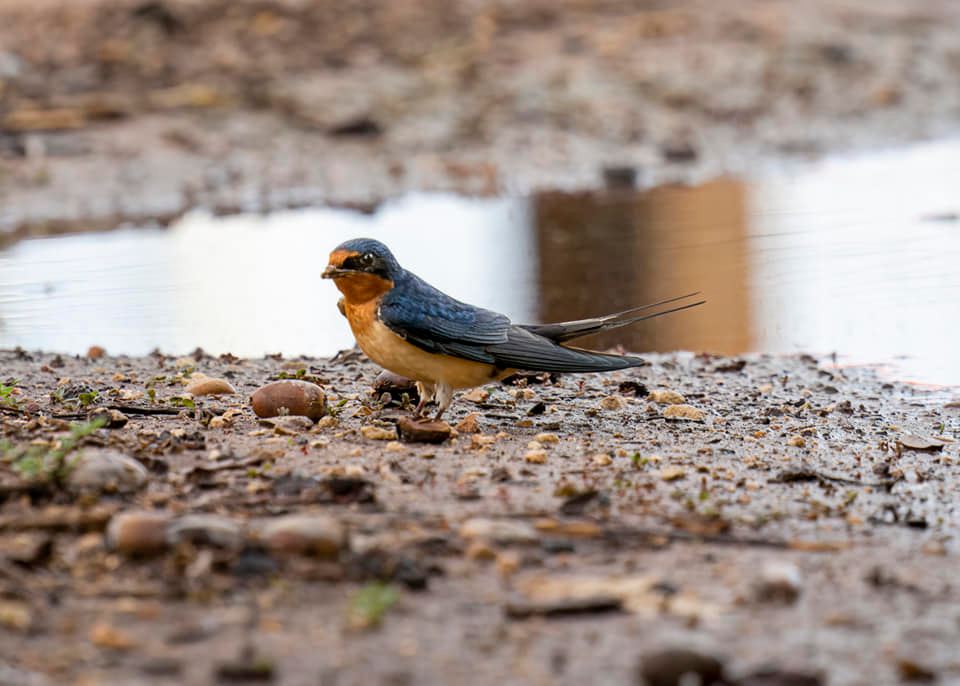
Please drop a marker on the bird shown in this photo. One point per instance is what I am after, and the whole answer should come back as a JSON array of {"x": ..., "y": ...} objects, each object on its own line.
[{"x": 413, "y": 329}]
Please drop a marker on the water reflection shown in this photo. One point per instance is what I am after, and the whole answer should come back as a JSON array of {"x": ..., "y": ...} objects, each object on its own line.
[
  {"x": 841, "y": 257},
  {"x": 609, "y": 251},
  {"x": 250, "y": 284}
]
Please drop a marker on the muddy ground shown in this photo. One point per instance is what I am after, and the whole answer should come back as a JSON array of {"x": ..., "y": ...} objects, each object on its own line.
[
  {"x": 137, "y": 110},
  {"x": 777, "y": 514},
  {"x": 782, "y": 515}
]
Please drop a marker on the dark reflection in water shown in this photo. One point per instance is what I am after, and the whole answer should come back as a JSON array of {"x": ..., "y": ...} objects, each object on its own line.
[
  {"x": 853, "y": 256},
  {"x": 609, "y": 251}
]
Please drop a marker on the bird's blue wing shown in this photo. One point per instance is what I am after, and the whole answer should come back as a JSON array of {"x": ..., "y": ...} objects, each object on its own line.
[{"x": 435, "y": 322}]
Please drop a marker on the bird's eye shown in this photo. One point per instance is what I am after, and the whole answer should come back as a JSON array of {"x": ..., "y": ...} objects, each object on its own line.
[{"x": 367, "y": 259}]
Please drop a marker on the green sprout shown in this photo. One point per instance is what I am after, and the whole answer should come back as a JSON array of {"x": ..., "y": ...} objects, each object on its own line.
[
  {"x": 88, "y": 398},
  {"x": 369, "y": 605},
  {"x": 6, "y": 395},
  {"x": 39, "y": 463}
]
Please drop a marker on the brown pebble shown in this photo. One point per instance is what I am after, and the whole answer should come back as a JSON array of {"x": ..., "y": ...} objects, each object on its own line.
[
  {"x": 395, "y": 385},
  {"x": 307, "y": 534},
  {"x": 920, "y": 443},
  {"x": 288, "y": 426},
  {"x": 112, "y": 419},
  {"x": 480, "y": 550},
  {"x": 612, "y": 402},
  {"x": 423, "y": 431},
  {"x": 671, "y": 667},
  {"x": 666, "y": 397},
  {"x": 536, "y": 456},
  {"x": 378, "y": 433},
  {"x": 910, "y": 670},
  {"x": 104, "y": 635},
  {"x": 15, "y": 615},
  {"x": 208, "y": 386},
  {"x": 469, "y": 424},
  {"x": 138, "y": 533},
  {"x": 687, "y": 412},
  {"x": 206, "y": 529},
  {"x": 499, "y": 530},
  {"x": 289, "y": 396},
  {"x": 95, "y": 352}
]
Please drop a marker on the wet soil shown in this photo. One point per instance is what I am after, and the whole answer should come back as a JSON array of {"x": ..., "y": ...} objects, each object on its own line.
[
  {"x": 783, "y": 514},
  {"x": 120, "y": 110}
]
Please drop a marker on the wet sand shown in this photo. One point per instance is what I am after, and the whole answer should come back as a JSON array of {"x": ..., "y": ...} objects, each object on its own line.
[{"x": 789, "y": 515}]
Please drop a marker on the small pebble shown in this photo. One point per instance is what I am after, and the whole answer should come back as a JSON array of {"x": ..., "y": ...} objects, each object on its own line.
[
  {"x": 536, "y": 456},
  {"x": 396, "y": 386},
  {"x": 15, "y": 615},
  {"x": 478, "y": 442},
  {"x": 291, "y": 425},
  {"x": 612, "y": 402},
  {"x": 672, "y": 473},
  {"x": 911, "y": 670},
  {"x": 508, "y": 562},
  {"x": 602, "y": 460},
  {"x": 378, "y": 433},
  {"x": 289, "y": 396},
  {"x": 315, "y": 535},
  {"x": 664, "y": 397},
  {"x": 772, "y": 676},
  {"x": 680, "y": 666},
  {"x": 469, "y": 424},
  {"x": 112, "y": 419},
  {"x": 206, "y": 529},
  {"x": 105, "y": 635},
  {"x": 686, "y": 412},
  {"x": 499, "y": 530},
  {"x": 480, "y": 550},
  {"x": 477, "y": 395},
  {"x": 796, "y": 442},
  {"x": 105, "y": 471},
  {"x": 423, "y": 431},
  {"x": 921, "y": 443},
  {"x": 779, "y": 582},
  {"x": 547, "y": 438},
  {"x": 138, "y": 533},
  {"x": 202, "y": 385}
]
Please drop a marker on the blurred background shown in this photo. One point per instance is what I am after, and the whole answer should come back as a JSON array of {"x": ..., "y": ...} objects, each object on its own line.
[{"x": 174, "y": 173}]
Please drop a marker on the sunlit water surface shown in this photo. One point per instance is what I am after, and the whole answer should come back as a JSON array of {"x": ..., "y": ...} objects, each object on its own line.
[{"x": 855, "y": 256}]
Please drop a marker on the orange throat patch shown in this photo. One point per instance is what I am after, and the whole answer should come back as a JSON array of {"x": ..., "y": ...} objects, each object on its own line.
[{"x": 359, "y": 288}]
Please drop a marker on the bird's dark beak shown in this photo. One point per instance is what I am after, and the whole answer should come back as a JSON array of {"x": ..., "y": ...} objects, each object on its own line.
[{"x": 335, "y": 268}]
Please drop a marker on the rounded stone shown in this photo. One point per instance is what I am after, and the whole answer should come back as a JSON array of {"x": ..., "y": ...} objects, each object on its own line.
[
  {"x": 423, "y": 431},
  {"x": 290, "y": 396},
  {"x": 206, "y": 386},
  {"x": 138, "y": 533},
  {"x": 305, "y": 534},
  {"x": 206, "y": 529},
  {"x": 105, "y": 471}
]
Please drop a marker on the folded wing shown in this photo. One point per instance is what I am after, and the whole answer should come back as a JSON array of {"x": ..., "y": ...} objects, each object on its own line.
[{"x": 433, "y": 321}]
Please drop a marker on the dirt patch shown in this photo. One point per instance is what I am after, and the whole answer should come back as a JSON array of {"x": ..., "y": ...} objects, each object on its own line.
[
  {"x": 114, "y": 111},
  {"x": 768, "y": 512}
]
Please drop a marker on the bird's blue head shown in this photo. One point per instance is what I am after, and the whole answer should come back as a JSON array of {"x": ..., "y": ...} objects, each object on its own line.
[{"x": 362, "y": 256}]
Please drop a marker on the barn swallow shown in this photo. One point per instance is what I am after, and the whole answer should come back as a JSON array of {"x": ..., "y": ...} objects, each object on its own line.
[{"x": 409, "y": 327}]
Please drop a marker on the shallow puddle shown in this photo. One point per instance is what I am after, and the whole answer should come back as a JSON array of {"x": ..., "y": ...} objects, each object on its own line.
[{"x": 854, "y": 256}]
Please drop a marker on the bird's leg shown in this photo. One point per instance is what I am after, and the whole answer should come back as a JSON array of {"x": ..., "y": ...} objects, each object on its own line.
[
  {"x": 444, "y": 395},
  {"x": 426, "y": 391}
]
